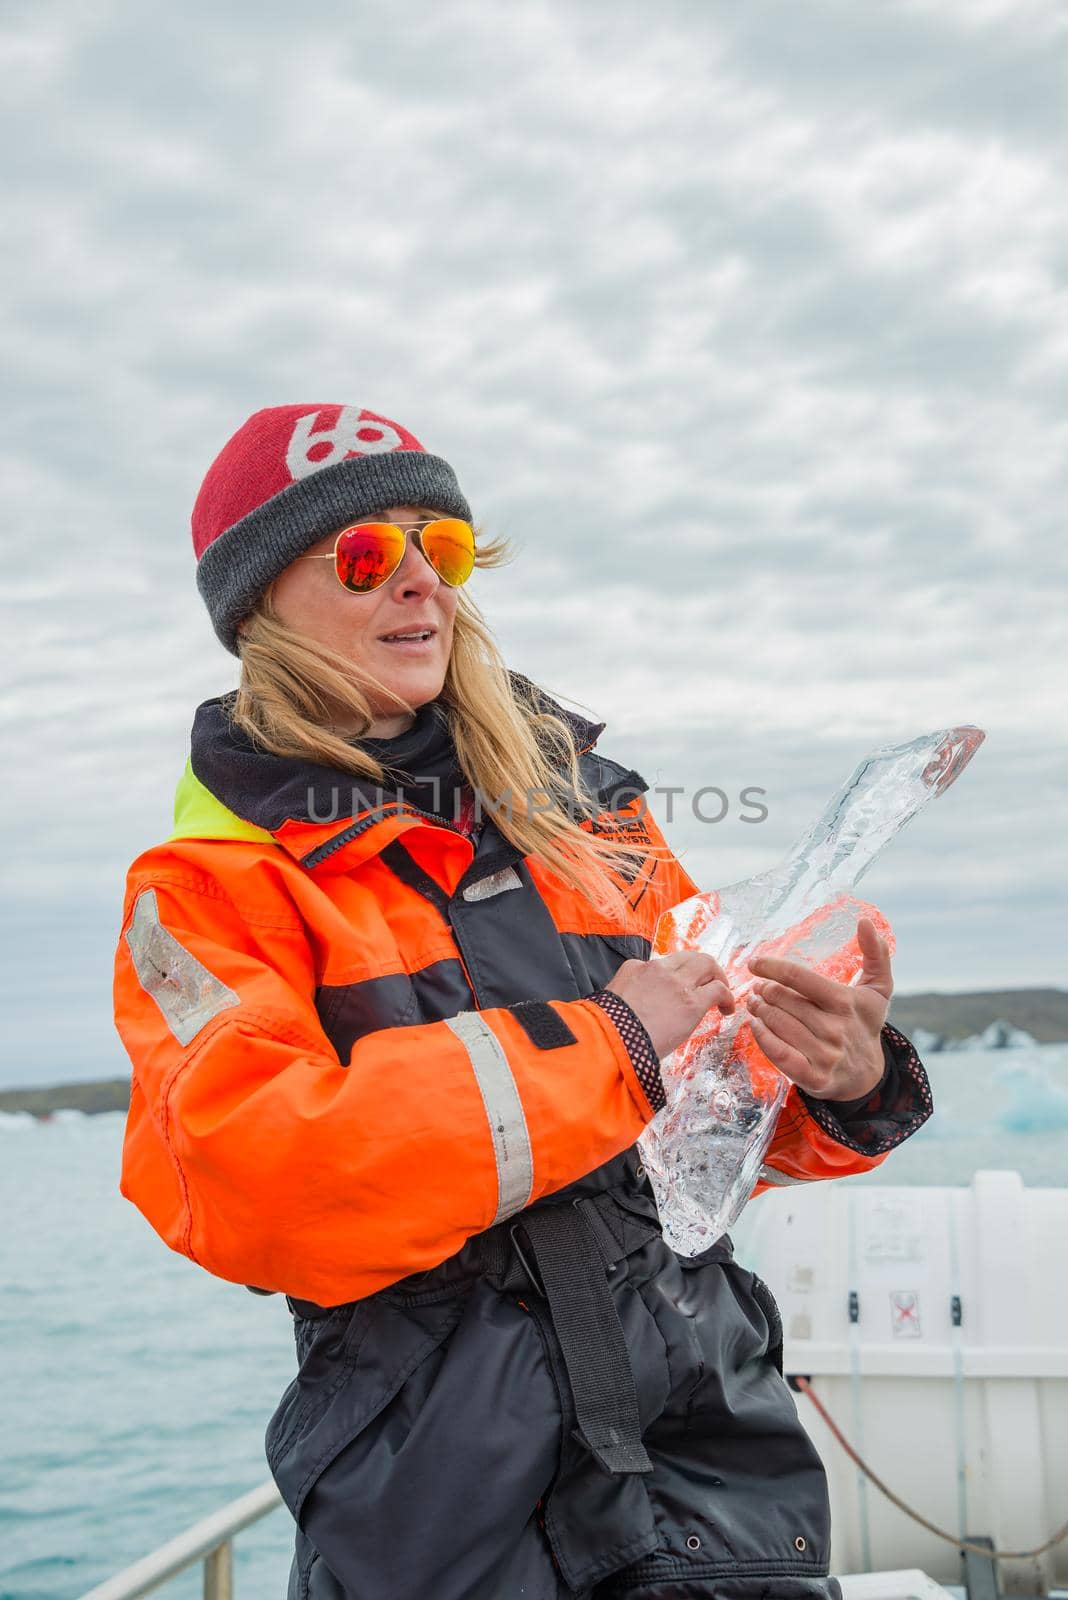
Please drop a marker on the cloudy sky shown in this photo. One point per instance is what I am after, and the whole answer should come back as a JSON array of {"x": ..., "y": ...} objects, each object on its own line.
[{"x": 747, "y": 324}]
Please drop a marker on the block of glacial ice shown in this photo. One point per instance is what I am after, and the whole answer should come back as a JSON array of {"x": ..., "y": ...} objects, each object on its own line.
[{"x": 704, "y": 1150}]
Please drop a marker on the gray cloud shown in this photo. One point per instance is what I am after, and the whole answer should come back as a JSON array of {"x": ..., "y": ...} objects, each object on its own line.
[{"x": 752, "y": 337}]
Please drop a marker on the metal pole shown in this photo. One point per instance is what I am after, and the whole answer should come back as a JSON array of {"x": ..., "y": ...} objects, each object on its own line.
[
  {"x": 197, "y": 1544},
  {"x": 219, "y": 1573}
]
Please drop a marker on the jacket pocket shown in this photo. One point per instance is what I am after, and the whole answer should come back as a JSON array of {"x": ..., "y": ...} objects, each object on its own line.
[
  {"x": 349, "y": 1373},
  {"x": 740, "y": 1472},
  {"x": 412, "y": 1452},
  {"x": 327, "y": 1350}
]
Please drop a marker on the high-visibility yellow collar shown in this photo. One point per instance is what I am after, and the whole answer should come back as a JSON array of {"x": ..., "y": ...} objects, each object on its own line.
[{"x": 198, "y": 814}]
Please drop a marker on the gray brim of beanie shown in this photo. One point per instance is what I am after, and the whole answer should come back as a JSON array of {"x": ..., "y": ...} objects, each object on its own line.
[{"x": 239, "y": 565}]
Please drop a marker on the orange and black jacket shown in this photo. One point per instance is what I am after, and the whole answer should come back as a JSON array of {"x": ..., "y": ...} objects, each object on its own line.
[{"x": 360, "y": 1036}]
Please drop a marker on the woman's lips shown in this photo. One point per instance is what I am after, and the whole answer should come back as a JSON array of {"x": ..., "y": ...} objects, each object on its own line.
[{"x": 412, "y": 647}]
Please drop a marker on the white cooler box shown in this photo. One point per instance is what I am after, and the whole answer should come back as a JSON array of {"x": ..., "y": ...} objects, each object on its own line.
[{"x": 934, "y": 1326}]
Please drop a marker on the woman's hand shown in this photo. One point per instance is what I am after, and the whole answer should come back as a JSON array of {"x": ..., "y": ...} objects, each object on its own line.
[
  {"x": 824, "y": 1035},
  {"x": 672, "y": 994}
]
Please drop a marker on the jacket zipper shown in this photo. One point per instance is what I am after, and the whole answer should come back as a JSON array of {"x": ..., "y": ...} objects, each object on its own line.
[{"x": 320, "y": 853}]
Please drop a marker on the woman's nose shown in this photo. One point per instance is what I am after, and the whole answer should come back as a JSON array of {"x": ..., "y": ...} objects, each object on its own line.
[{"x": 415, "y": 571}]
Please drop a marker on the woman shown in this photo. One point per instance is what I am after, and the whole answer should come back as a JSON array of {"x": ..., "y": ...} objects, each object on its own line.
[{"x": 394, "y": 1032}]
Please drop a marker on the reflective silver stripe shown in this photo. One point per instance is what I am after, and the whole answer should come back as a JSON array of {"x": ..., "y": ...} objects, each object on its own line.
[
  {"x": 773, "y": 1175},
  {"x": 187, "y": 994},
  {"x": 493, "y": 883},
  {"x": 504, "y": 1111}
]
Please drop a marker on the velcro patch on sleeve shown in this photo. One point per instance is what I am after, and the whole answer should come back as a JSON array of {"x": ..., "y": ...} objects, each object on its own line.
[
  {"x": 542, "y": 1025},
  {"x": 187, "y": 993}
]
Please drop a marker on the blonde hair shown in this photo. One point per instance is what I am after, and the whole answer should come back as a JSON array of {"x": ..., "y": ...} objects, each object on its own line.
[{"x": 507, "y": 744}]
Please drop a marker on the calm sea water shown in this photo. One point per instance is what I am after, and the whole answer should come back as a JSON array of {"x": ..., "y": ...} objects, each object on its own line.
[{"x": 136, "y": 1388}]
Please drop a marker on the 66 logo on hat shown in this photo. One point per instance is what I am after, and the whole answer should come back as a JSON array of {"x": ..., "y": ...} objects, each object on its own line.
[
  {"x": 314, "y": 443},
  {"x": 292, "y": 474}
]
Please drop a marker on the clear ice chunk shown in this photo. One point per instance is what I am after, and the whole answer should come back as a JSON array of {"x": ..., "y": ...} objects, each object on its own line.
[{"x": 704, "y": 1150}]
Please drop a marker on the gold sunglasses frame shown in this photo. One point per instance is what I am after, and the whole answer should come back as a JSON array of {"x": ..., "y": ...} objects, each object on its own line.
[{"x": 415, "y": 528}]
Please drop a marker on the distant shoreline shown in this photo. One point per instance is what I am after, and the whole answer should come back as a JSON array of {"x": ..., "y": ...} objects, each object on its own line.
[
  {"x": 1043, "y": 1013},
  {"x": 92, "y": 1097}
]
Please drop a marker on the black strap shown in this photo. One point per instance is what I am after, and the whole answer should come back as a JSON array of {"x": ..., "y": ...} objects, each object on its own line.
[
  {"x": 404, "y": 866},
  {"x": 561, "y": 1251},
  {"x": 570, "y": 1273}
]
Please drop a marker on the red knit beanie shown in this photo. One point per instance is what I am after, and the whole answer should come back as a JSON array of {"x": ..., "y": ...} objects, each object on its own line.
[{"x": 290, "y": 475}]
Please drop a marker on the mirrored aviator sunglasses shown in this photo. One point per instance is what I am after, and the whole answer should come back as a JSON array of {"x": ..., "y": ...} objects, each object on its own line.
[{"x": 366, "y": 555}]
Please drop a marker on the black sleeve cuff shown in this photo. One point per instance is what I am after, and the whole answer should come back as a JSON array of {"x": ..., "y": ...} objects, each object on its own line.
[
  {"x": 640, "y": 1047},
  {"x": 883, "y": 1118}
]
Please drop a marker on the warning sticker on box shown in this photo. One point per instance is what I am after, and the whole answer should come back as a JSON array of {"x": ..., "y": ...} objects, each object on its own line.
[
  {"x": 905, "y": 1314},
  {"x": 895, "y": 1229}
]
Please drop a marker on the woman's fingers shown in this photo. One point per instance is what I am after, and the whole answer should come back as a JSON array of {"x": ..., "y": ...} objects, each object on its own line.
[
  {"x": 704, "y": 975},
  {"x": 717, "y": 994},
  {"x": 828, "y": 1046},
  {"x": 876, "y": 972},
  {"x": 827, "y": 993},
  {"x": 672, "y": 994},
  {"x": 770, "y": 998},
  {"x": 791, "y": 1061},
  {"x": 797, "y": 1036}
]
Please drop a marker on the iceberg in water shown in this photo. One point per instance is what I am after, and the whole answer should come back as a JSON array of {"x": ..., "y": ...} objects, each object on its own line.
[
  {"x": 1037, "y": 1104},
  {"x": 704, "y": 1150},
  {"x": 997, "y": 1035}
]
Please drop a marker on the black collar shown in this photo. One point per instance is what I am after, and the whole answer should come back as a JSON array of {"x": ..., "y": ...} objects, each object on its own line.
[{"x": 267, "y": 790}]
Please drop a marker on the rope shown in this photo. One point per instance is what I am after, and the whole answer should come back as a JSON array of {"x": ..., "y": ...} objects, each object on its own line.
[{"x": 940, "y": 1533}]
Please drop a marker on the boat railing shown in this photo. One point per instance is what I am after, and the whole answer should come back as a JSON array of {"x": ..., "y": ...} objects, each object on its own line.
[{"x": 210, "y": 1541}]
